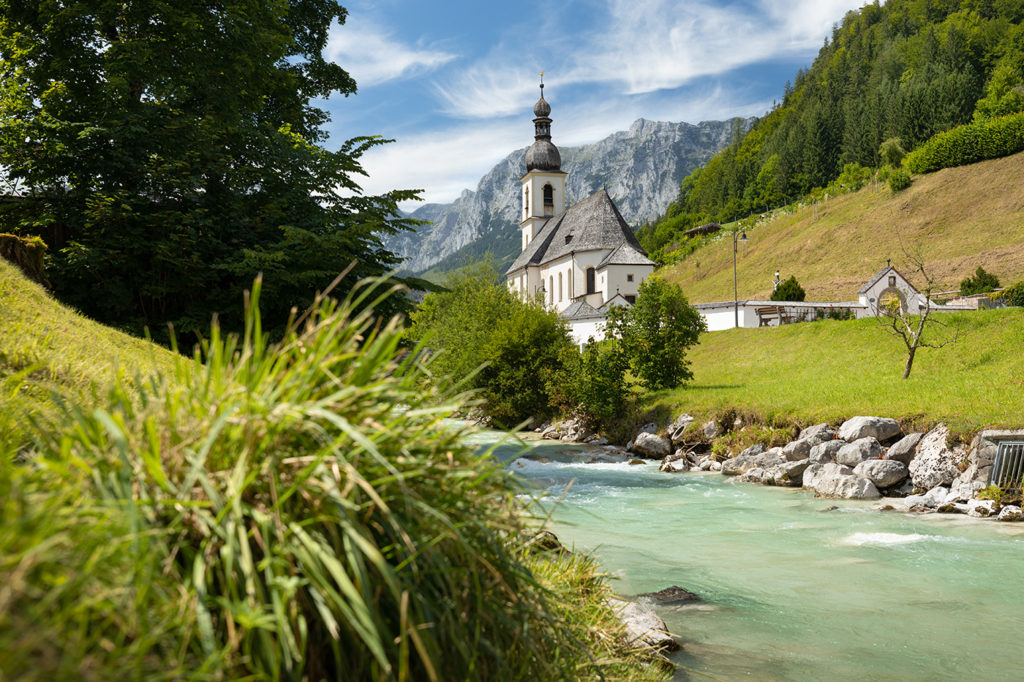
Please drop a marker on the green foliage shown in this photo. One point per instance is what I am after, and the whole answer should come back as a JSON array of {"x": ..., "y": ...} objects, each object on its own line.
[
  {"x": 655, "y": 333},
  {"x": 594, "y": 381},
  {"x": 1014, "y": 295},
  {"x": 486, "y": 336},
  {"x": 899, "y": 180},
  {"x": 300, "y": 510},
  {"x": 994, "y": 493},
  {"x": 166, "y": 161},
  {"x": 981, "y": 283},
  {"x": 969, "y": 143},
  {"x": 891, "y": 152},
  {"x": 789, "y": 290},
  {"x": 891, "y": 76}
]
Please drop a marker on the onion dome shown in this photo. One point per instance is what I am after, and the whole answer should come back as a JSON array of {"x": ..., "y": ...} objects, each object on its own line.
[
  {"x": 541, "y": 108},
  {"x": 542, "y": 154}
]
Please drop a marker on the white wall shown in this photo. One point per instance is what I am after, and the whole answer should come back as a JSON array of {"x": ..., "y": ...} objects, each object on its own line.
[
  {"x": 582, "y": 330},
  {"x": 616, "y": 279},
  {"x": 724, "y": 317}
]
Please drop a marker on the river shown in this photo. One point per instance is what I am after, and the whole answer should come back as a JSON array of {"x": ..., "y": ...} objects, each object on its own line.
[{"x": 790, "y": 588}]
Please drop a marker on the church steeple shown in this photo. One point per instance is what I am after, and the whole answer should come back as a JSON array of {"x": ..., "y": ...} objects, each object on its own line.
[{"x": 544, "y": 182}]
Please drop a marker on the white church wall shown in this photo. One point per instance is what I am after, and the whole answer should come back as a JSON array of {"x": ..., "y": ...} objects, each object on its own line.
[
  {"x": 558, "y": 275},
  {"x": 624, "y": 279},
  {"x": 583, "y": 330}
]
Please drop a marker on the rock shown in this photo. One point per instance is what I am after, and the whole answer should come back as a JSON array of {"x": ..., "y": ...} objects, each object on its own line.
[
  {"x": 932, "y": 499},
  {"x": 790, "y": 473},
  {"x": 836, "y": 480},
  {"x": 710, "y": 429},
  {"x": 715, "y": 466},
  {"x": 674, "y": 464},
  {"x": 816, "y": 472},
  {"x": 1010, "y": 512},
  {"x": 551, "y": 433},
  {"x": 884, "y": 507},
  {"x": 643, "y": 626},
  {"x": 905, "y": 448},
  {"x": 755, "y": 475},
  {"x": 678, "y": 426},
  {"x": 670, "y": 595},
  {"x": 821, "y": 433},
  {"x": 829, "y": 509},
  {"x": 882, "y": 472},
  {"x": 935, "y": 464},
  {"x": 964, "y": 488},
  {"x": 598, "y": 440},
  {"x": 755, "y": 449},
  {"x": 633, "y": 462},
  {"x": 823, "y": 453},
  {"x": 981, "y": 508},
  {"x": 858, "y": 451},
  {"x": 649, "y": 427},
  {"x": 797, "y": 450},
  {"x": 743, "y": 463},
  {"x": 879, "y": 428},
  {"x": 544, "y": 541},
  {"x": 651, "y": 446},
  {"x": 902, "y": 490}
]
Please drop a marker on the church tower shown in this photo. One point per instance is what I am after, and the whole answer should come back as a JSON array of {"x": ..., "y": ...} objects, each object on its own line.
[{"x": 544, "y": 183}]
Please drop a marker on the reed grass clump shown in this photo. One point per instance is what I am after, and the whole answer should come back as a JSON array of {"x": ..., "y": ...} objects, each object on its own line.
[{"x": 298, "y": 510}]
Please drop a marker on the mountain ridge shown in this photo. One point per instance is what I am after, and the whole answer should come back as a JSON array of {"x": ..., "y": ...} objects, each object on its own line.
[{"x": 641, "y": 168}]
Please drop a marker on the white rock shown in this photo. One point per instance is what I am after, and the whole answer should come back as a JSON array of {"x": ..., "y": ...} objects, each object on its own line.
[
  {"x": 847, "y": 487},
  {"x": 710, "y": 429},
  {"x": 1010, "y": 512},
  {"x": 789, "y": 474},
  {"x": 826, "y": 452},
  {"x": 934, "y": 498},
  {"x": 674, "y": 464},
  {"x": 935, "y": 464},
  {"x": 643, "y": 626},
  {"x": 905, "y": 448},
  {"x": 815, "y": 473},
  {"x": 678, "y": 426},
  {"x": 858, "y": 451},
  {"x": 651, "y": 446},
  {"x": 882, "y": 472},
  {"x": 981, "y": 508},
  {"x": 755, "y": 475},
  {"x": 798, "y": 450},
  {"x": 880, "y": 428},
  {"x": 820, "y": 433}
]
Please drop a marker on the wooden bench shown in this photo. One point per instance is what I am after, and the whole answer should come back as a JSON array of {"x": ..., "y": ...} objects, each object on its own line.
[{"x": 766, "y": 314}]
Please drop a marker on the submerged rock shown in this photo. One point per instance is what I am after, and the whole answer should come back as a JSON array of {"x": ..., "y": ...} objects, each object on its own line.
[
  {"x": 643, "y": 626},
  {"x": 670, "y": 595}
]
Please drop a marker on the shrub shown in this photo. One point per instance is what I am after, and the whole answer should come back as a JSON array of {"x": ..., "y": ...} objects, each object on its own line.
[
  {"x": 1014, "y": 295},
  {"x": 969, "y": 143},
  {"x": 982, "y": 282},
  {"x": 891, "y": 151},
  {"x": 899, "y": 180},
  {"x": 300, "y": 510},
  {"x": 789, "y": 290},
  {"x": 595, "y": 380},
  {"x": 655, "y": 333}
]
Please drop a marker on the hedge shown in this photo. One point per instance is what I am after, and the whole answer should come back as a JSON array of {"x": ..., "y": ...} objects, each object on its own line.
[{"x": 969, "y": 143}]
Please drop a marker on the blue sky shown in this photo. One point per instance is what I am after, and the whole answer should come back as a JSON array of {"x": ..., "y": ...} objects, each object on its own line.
[{"x": 454, "y": 82}]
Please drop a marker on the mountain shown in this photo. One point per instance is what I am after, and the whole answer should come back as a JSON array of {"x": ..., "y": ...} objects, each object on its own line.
[{"x": 641, "y": 168}]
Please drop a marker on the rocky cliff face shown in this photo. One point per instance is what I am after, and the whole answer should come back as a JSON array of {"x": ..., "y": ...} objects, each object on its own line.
[{"x": 641, "y": 168}]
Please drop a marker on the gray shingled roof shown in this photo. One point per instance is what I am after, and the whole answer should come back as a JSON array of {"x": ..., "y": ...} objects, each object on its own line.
[
  {"x": 625, "y": 254},
  {"x": 592, "y": 224},
  {"x": 581, "y": 310}
]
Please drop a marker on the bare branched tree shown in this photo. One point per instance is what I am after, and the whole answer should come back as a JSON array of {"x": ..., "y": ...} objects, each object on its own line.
[{"x": 899, "y": 320}]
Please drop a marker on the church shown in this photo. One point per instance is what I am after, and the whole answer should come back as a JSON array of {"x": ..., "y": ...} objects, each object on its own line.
[{"x": 579, "y": 261}]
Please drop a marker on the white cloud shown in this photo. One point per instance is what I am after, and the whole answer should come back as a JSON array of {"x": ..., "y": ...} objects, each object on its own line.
[
  {"x": 647, "y": 45},
  {"x": 373, "y": 56}
]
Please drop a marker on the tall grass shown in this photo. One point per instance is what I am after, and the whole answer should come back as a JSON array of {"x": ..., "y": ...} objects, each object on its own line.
[{"x": 299, "y": 510}]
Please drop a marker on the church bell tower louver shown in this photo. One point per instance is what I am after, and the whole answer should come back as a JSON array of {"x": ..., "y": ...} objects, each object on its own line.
[{"x": 543, "y": 190}]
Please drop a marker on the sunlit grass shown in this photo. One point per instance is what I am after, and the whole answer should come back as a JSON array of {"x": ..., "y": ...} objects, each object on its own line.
[{"x": 828, "y": 370}]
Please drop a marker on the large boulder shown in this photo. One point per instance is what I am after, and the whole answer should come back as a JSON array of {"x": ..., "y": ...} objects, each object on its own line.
[
  {"x": 798, "y": 450},
  {"x": 882, "y": 472},
  {"x": 1010, "y": 512},
  {"x": 935, "y": 464},
  {"x": 677, "y": 427},
  {"x": 824, "y": 453},
  {"x": 820, "y": 433},
  {"x": 789, "y": 473},
  {"x": 651, "y": 446},
  {"x": 933, "y": 499},
  {"x": 643, "y": 626},
  {"x": 858, "y": 451},
  {"x": 755, "y": 475},
  {"x": 743, "y": 463},
  {"x": 879, "y": 428},
  {"x": 836, "y": 480},
  {"x": 981, "y": 508},
  {"x": 905, "y": 448}
]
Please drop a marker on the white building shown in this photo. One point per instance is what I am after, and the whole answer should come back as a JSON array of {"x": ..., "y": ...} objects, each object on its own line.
[{"x": 580, "y": 260}]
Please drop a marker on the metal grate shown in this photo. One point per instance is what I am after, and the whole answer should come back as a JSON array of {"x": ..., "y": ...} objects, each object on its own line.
[{"x": 1008, "y": 468}]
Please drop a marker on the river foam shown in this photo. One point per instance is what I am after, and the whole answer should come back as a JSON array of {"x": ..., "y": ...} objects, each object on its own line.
[{"x": 886, "y": 539}]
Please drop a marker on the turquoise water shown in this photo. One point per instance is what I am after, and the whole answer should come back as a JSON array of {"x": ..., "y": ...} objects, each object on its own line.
[{"x": 791, "y": 590}]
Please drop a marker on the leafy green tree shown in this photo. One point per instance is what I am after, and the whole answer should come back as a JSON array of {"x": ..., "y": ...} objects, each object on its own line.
[
  {"x": 789, "y": 290},
  {"x": 1014, "y": 295},
  {"x": 168, "y": 152},
  {"x": 891, "y": 151},
  {"x": 982, "y": 282},
  {"x": 594, "y": 382},
  {"x": 655, "y": 333}
]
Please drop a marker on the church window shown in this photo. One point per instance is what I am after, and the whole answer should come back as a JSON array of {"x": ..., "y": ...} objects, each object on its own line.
[
  {"x": 629, "y": 278},
  {"x": 892, "y": 280},
  {"x": 549, "y": 195},
  {"x": 630, "y": 299},
  {"x": 551, "y": 289},
  {"x": 526, "y": 202},
  {"x": 591, "y": 288},
  {"x": 560, "y": 287}
]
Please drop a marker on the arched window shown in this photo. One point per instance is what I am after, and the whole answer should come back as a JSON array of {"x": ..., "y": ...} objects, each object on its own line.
[
  {"x": 526, "y": 202},
  {"x": 551, "y": 289},
  {"x": 559, "y": 287},
  {"x": 591, "y": 288},
  {"x": 549, "y": 195}
]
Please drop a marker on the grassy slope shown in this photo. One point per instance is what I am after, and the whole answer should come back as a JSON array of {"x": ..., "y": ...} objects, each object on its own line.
[
  {"x": 826, "y": 371},
  {"x": 46, "y": 348},
  {"x": 960, "y": 217}
]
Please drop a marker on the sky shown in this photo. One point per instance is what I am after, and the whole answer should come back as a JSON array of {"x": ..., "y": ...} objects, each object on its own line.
[{"x": 454, "y": 82}]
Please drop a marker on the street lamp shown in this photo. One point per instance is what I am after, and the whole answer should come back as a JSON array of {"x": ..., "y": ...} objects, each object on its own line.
[{"x": 737, "y": 237}]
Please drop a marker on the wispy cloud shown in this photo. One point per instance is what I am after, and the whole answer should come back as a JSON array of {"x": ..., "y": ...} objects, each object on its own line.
[
  {"x": 645, "y": 46},
  {"x": 373, "y": 55}
]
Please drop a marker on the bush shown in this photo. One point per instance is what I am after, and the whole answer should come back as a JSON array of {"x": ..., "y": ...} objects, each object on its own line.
[
  {"x": 1014, "y": 295},
  {"x": 891, "y": 151},
  {"x": 595, "y": 381},
  {"x": 899, "y": 180},
  {"x": 969, "y": 143},
  {"x": 789, "y": 290},
  {"x": 982, "y": 283},
  {"x": 655, "y": 333},
  {"x": 300, "y": 510}
]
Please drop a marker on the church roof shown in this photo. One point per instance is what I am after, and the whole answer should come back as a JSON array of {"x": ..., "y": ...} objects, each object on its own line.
[
  {"x": 626, "y": 254},
  {"x": 590, "y": 225},
  {"x": 581, "y": 310},
  {"x": 882, "y": 273}
]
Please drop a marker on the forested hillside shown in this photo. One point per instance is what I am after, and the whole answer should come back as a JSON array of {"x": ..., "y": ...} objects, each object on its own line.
[{"x": 893, "y": 74}]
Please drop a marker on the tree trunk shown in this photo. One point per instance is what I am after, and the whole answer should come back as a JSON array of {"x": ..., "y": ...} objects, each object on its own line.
[{"x": 910, "y": 362}]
